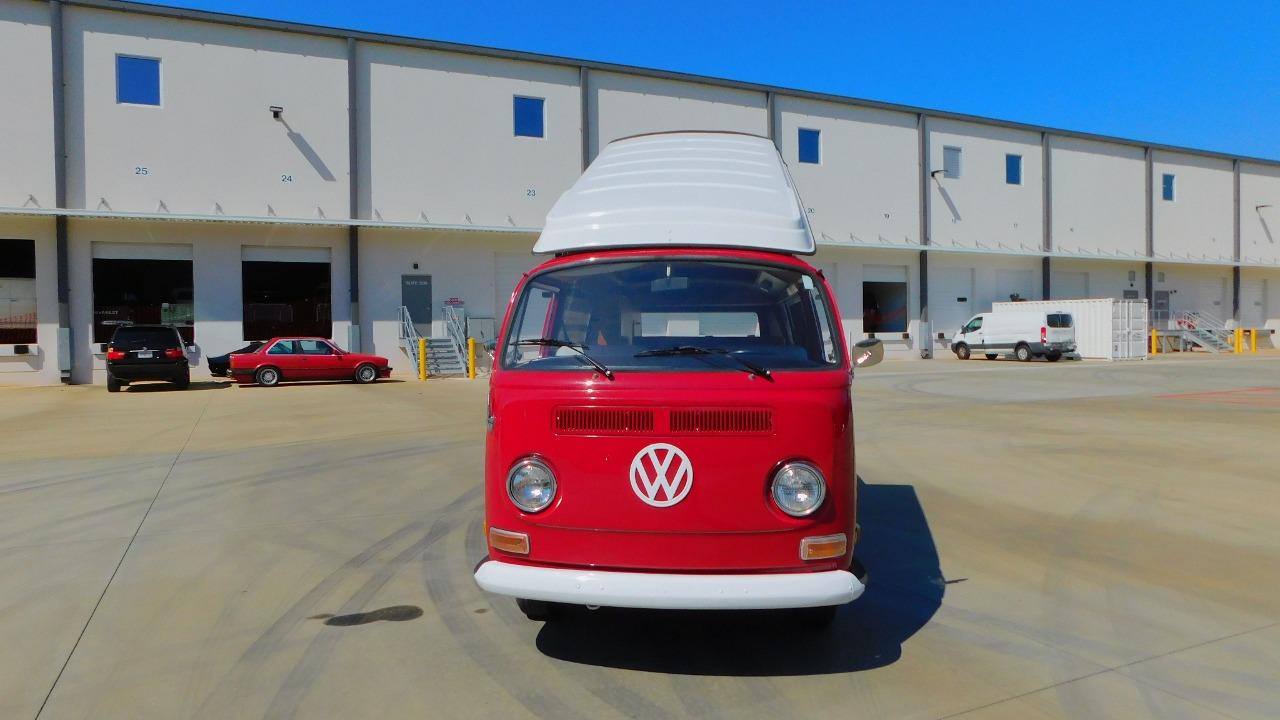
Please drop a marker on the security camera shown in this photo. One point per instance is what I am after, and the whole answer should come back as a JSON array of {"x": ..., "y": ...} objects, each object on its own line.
[{"x": 276, "y": 111}]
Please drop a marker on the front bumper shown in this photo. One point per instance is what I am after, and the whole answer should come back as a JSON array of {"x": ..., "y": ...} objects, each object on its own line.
[{"x": 667, "y": 591}]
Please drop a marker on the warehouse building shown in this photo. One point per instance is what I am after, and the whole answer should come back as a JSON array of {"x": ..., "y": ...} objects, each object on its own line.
[{"x": 242, "y": 178}]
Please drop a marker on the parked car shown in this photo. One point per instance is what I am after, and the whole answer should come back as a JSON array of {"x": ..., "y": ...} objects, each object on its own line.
[
  {"x": 147, "y": 352},
  {"x": 675, "y": 335},
  {"x": 1025, "y": 333},
  {"x": 220, "y": 365},
  {"x": 305, "y": 358}
]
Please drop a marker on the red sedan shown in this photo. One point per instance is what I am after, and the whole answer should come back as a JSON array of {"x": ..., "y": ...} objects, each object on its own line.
[{"x": 305, "y": 358}]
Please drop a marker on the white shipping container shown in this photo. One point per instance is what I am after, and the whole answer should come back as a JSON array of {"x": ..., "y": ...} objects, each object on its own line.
[{"x": 1106, "y": 328}]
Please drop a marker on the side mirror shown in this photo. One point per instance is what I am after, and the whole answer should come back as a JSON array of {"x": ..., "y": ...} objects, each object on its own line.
[{"x": 867, "y": 352}]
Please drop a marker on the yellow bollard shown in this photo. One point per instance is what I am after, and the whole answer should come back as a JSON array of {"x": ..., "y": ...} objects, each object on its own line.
[
  {"x": 1253, "y": 340},
  {"x": 1155, "y": 342},
  {"x": 471, "y": 358},
  {"x": 422, "y": 358},
  {"x": 1239, "y": 340}
]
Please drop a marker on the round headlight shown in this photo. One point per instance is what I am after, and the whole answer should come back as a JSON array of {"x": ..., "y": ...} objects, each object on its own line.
[
  {"x": 531, "y": 485},
  {"x": 798, "y": 488}
]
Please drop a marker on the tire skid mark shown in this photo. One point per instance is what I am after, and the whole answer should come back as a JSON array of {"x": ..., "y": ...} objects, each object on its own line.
[
  {"x": 489, "y": 656},
  {"x": 204, "y": 666},
  {"x": 304, "y": 673},
  {"x": 275, "y": 634},
  {"x": 305, "y": 470},
  {"x": 598, "y": 682},
  {"x": 98, "y": 474}
]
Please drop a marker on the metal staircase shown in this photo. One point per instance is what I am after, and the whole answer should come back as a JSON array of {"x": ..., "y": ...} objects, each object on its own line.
[
  {"x": 444, "y": 355},
  {"x": 1203, "y": 330}
]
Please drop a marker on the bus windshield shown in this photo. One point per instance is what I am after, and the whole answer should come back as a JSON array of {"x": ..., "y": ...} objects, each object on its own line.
[{"x": 673, "y": 314}]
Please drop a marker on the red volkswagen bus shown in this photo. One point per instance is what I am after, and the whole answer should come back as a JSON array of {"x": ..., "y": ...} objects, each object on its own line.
[{"x": 670, "y": 421}]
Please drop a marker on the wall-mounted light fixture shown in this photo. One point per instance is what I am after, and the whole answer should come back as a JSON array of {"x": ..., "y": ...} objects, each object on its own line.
[{"x": 276, "y": 112}]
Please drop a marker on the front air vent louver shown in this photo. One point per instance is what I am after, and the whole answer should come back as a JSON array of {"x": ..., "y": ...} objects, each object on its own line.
[
  {"x": 727, "y": 420},
  {"x": 603, "y": 421}
]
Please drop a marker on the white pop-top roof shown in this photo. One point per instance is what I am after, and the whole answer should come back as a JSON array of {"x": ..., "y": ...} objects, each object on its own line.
[{"x": 681, "y": 189}]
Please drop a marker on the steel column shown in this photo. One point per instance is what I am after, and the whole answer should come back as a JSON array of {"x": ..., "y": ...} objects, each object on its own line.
[
  {"x": 924, "y": 286},
  {"x": 1235, "y": 240},
  {"x": 1151, "y": 226},
  {"x": 772, "y": 122},
  {"x": 66, "y": 337},
  {"x": 584, "y": 101},
  {"x": 354, "y": 342},
  {"x": 922, "y": 154}
]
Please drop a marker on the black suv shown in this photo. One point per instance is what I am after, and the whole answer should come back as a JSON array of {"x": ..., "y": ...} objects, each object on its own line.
[{"x": 147, "y": 352}]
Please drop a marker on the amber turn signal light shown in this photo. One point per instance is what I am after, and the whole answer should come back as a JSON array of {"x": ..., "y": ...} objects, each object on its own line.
[
  {"x": 512, "y": 542},
  {"x": 823, "y": 547}
]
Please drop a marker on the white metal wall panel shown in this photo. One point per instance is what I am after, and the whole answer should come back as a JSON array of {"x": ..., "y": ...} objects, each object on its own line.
[
  {"x": 1105, "y": 278},
  {"x": 979, "y": 209},
  {"x": 1011, "y": 282},
  {"x": 262, "y": 253},
  {"x": 1197, "y": 223},
  {"x": 625, "y": 105},
  {"x": 26, "y": 94},
  {"x": 441, "y": 146},
  {"x": 951, "y": 299},
  {"x": 866, "y": 154},
  {"x": 1253, "y": 301},
  {"x": 1099, "y": 198},
  {"x": 508, "y": 269},
  {"x": 1264, "y": 296},
  {"x": 141, "y": 251},
  {"x": 884, "y": 273},
  {"x": 1196, "y": 288},
  {"x": 1259, "y": 213},
  {"x": 212, "y": 146},
  {"x": 1070, "y": 284}
]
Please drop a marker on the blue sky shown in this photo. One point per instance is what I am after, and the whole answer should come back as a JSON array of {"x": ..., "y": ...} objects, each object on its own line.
[{"x": 1199, "y": 74}]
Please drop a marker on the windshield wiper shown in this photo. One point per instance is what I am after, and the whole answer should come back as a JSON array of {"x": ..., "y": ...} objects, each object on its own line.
[
  {"x": 747, "y": 365},
  {"x": 580, "y": 349}
]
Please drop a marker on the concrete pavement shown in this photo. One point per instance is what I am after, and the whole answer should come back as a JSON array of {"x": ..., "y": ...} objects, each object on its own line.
[{"x": 1060, "y": 541}]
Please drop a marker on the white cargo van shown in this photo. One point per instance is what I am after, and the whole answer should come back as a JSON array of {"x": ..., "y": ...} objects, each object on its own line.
[{"x": 1025, "y": 333}]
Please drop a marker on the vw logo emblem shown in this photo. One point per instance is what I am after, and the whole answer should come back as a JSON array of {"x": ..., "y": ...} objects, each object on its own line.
[{"x": 661, "y": 475}]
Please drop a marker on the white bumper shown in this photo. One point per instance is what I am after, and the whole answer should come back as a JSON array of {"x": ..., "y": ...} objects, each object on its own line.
[{"x": 669, "y": 591}]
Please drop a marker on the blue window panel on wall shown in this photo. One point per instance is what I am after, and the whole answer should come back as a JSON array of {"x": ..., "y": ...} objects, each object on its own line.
[
  {"x": 529, "y": 117},
  {"x": 1013, "y": 169},
  {"x": 810, "y": 146},
  {"x": 1166, "y": 186},
  {"x": 137, "y": 80}
]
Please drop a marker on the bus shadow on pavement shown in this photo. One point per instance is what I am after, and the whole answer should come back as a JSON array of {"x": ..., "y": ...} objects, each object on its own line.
[{"x": 904, "y": 589}]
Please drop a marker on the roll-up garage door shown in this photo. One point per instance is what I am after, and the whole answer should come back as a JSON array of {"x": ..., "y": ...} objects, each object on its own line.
[
  {"x": 884, "y": 298},
  {"x": 142, "y": 283},
  {"x": 286, "y": 291}
]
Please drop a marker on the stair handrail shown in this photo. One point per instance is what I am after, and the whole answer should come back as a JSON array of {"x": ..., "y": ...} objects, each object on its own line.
[
  {"x": 455, "y": 323},
  {"x": 1195, "y": 320},
  {"x": 407, "y": 330}
]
